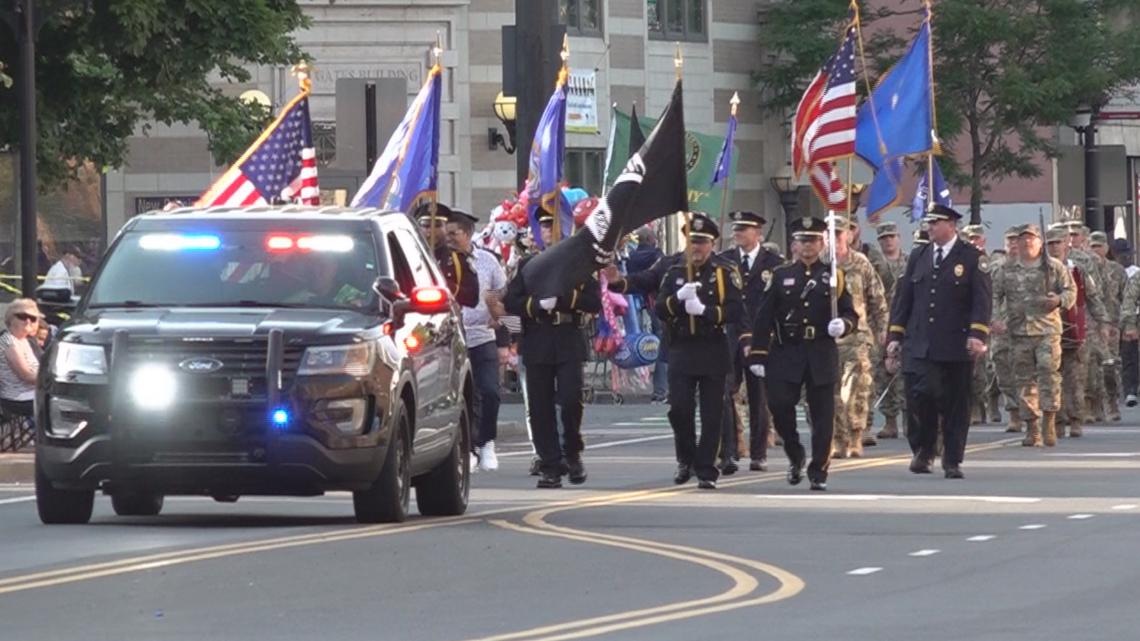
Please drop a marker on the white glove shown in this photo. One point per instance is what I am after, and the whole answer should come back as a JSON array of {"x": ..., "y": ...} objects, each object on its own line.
[
  {"x": 688, "y": 291},
  {"x": 694, "y": 307},
  {"x": 757, "y": 370},
  {"x": 835, "y": 327},
  {"x": 548, "y": 303}
]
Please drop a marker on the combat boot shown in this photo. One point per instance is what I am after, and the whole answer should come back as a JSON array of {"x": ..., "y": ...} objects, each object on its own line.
[
  {"x": 1114, "y": 413},
  {"x": 891, "y": 429},
  {"x": 855, "y": 447},
  {"x": 1032, "y": 434},
  {"x": 1049, "y": 428},
  {"x": 1075, "y": 430},
  {"x": 1014, "y": 425}
]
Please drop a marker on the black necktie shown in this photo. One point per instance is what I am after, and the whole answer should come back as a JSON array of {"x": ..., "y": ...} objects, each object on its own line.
[
  {"x": 937, "y": 257},
  {"x": 744, "y": 263}
]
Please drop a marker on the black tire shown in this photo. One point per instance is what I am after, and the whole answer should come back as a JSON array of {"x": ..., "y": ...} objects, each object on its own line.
[
  {"x": 62, "y": 506},
  {"x": 388, "y": 499},
  {"x": 136, "y": 503},
  {"x": 444, "y": 491}
]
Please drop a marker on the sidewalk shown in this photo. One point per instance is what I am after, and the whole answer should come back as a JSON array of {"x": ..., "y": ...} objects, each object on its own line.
[{"x": 18, "y": 467}]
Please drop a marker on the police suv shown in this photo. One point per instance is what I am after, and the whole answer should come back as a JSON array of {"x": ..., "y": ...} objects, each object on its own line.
[{"x": 272, "y": 350}]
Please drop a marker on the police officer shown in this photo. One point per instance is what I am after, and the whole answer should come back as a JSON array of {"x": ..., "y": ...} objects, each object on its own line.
[
  {"x": 553, "y": 351},
  {"x": 454, "y": 264},
  {"x": 697, "y": 302},
  {"x": 756, "y": 265},
  {"x": 942, "y": 311},
  {"x": 793, "y": 345}
]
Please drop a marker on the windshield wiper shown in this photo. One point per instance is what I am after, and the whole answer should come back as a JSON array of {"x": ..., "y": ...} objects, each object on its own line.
[
  {"x": 243, "y": 303},
  {"x": 133, "y": 304}
]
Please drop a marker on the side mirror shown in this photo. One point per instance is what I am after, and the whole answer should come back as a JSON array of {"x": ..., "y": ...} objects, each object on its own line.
[{"x": 388, "y": 289}]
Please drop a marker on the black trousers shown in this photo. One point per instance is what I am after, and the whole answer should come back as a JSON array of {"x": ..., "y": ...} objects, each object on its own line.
[
  {"x": 939, "y": 390},
  {"x": 683, "y": 391},
  {"x": 758, "y": 424},
  {"x": 782, "y": 399},
  {"x": 547, "y": 385},
  {"x": 1130, "y": 366}
]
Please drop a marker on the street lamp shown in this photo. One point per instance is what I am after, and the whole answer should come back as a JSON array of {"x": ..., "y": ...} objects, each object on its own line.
[
  {"x": 1084, "y": 123},
  {"x": 787, "y": 190},
  {"x": 505, "y": 111}
]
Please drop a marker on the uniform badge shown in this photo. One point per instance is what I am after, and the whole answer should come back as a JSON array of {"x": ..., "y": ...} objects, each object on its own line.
[
  {"x": 766, "y": 275},
  {"x": 984, "y": 264},
  {"x": 737, "y": 281},
  {"x": 959, "y": 270},
  {"x": 698, "y": 224},
  {"x": 788, "y": 282}
]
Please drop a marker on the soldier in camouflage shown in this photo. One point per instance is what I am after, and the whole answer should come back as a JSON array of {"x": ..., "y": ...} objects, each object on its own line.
[
  {"x": 1114, "y": 279},
  {"x": 979, "y": 383},
  {"x": 1000, "y": 353},
  {"x": 1095, "y": 344},
  {"x": 892, "y": 399},
  {"x": 1075, "y": 336},
  {"x": 1032, "y": 290},
  {"x": 853, "y": 394}
]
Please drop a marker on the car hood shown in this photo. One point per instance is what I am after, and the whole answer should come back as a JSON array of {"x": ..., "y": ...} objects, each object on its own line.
[{"x": 99, "y": 325}]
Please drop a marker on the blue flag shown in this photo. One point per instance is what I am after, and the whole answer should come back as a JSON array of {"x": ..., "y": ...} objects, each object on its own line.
[
  {"x": 408, "y": 170},
  {"x": 921, "y": 195},
  {"x": 896, "y": 121},
  {"x": 547, "y": 152},
  {"x": 724, "y": 160}
]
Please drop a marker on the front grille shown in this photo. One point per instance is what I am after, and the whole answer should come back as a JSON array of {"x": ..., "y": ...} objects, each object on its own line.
[{"x": 240, "y": 358}]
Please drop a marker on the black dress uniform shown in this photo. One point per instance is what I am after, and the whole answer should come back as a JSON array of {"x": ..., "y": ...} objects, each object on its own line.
[
  {"x": 755, "y": 274},
  {"x": 553, "y": 348},
  {"x": 935, "y": 310},
  {"x": 455, "y": 265},
  {"x": 699, "y": 358},
  {"x": 791, "y": 341}
]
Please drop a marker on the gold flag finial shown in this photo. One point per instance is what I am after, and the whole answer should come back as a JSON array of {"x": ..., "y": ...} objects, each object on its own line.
[
  {"x": 734, "y": 102},
  {"x": 302, "y": 71},
  {"x": 437, "y": 50},
  {"x": 565, "y": 50},
  {"x": 678, "y": 61}
]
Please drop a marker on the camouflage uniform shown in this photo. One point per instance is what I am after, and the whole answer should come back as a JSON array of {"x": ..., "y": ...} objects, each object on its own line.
[
  {"x": 1129, "y": 312},
  {"x": 1114, "y": 279},
  {"x": 853, "y": 393},
  {"x": 1094, "y": 345},
  {"x": 979, "y": 380},
  {"x": 1035, "y": 334},
  {"x": 893, "y": 399},
  {"x": 1001, "y": 355}
]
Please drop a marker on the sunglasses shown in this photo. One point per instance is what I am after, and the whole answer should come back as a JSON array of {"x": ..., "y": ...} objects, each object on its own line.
[{"x": 27, "y": 318}]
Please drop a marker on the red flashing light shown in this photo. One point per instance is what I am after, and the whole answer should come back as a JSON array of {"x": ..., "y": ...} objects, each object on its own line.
[
  {"x": 412, "y": 343},
  {"x": 428, "y": 295},
  {"x": 279, "y": 243},
  {"x": 387, "y": 328}
]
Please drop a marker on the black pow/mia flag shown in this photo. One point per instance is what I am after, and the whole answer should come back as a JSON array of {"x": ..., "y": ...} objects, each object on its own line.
[{"x": 652, "y": 185}]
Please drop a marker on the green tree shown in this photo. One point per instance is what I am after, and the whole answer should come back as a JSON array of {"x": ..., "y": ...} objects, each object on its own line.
[
  {"x": 108, "y": 67},
  {"x": 1005, "y": 71}
]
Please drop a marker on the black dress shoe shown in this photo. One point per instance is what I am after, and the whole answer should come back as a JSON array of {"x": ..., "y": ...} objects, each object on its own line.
[
  {"x": 795, "y": 473},
  {"x": 684, "y": 473},
  {"x": 549, "y": 480},
  {"x": 819, "y": 486},
  {"x": 954, "y": 472},
  {"x": 707, "y": 484},
  {"x": 758, "y": 465},
  {"x": 576, "y": 471},
  {"x": 536, "y": 466},
  {"x": 729, "y": 467},
  {"x": 919, "y": 465}
]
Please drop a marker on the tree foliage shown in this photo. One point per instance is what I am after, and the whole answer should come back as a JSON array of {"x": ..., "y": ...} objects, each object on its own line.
[
  {"x": 1005, "y": 70},
  {"x": 106, "y": 68}
]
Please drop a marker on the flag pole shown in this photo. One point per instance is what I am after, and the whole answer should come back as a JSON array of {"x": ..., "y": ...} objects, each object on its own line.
[
  {"x": 563, "y": 73},
  {"x": 678, "y": 68},
  {"x": 734, "y": 103},
  {"x": 433, "y": 196},
  {"x": 935, "y": 147}
]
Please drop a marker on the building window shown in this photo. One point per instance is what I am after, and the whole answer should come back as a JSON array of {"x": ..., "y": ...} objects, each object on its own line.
[
  {"x": 584, "y": 169},
  {"x": 324, "y": 142},
  {"x": 677, "y": 20},
  {"x": 581, "y": 17}
]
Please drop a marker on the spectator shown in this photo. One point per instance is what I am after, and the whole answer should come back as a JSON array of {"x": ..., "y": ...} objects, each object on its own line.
[
  {"x": 640, "y": 260},
  {"x": 65, "y": 273},
  {"x": 479, "y": 324},
  {"x": 19, "y": 365}
]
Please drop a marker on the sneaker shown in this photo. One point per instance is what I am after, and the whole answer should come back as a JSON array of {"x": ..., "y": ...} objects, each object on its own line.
[
  {"x": 729, "y": 467},
  {"x": 758, "y": 465},
  {"x": 1132, "y": 401},
  {"x": 535, "y": 466},
  {"x": 549, "y": 481},
  {"x": 707, "y": 484},
  {"x": 487, "y": 459},
  {"x": 576, "y": 471},
  {"x": 474, "y": 462}
]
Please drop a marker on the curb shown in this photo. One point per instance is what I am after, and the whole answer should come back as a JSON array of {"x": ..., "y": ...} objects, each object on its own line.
[{"x": 17, "y": 468}]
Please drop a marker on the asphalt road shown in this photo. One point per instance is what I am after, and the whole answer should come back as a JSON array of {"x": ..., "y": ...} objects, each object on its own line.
[{"x": 1033, "y": 544}]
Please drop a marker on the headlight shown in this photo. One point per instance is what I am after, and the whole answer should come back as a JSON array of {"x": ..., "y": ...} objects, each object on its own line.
[
  {"x": 153, "y": 387},
  {"x": 73, "y": 358},
  {"x": 354, "y": 360}
]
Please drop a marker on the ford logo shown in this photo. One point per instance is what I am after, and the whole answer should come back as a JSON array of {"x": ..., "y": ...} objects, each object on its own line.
[{"x": 200, "y": 365}]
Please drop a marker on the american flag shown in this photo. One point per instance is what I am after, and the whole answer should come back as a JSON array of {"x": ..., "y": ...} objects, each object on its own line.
[
  {"x": 826, "y": 184},
  {"x": 280, "y": 165}
]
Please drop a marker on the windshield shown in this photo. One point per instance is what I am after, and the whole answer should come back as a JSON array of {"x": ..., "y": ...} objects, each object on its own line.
[{"x": 239, "y": 268}]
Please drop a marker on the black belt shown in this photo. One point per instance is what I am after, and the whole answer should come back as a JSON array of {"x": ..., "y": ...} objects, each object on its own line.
[
  {"x": 793, "y": 333},
  {"x": 562, "y": 318}
]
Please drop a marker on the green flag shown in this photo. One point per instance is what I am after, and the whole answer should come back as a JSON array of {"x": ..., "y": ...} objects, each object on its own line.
[{"x": 701, "y": 152}]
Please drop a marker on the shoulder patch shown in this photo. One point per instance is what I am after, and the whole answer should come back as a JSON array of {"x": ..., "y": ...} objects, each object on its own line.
[
  {"x": 737, "y": 281},
  {"x": 984, "y": 264}
]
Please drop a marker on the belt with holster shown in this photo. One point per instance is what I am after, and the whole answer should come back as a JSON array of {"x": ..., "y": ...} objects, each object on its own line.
[{"x": 796, "y": 333}]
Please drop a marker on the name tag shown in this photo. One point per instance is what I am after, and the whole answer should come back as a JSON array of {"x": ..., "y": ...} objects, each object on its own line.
[{"x": 788, "y": 282}]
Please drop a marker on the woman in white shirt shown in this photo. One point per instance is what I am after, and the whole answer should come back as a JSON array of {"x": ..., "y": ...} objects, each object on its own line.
[{"x": 19, "y": 365}]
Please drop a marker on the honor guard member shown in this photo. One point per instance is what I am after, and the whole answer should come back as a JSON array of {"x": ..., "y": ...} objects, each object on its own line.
[
  {"x": 942, "y": 311},
  {"x": 553, "y": 348},
  {"x": 697, "y": 309},
  {"x": 793, "y": 345},
  {"x": 455, "y": 265},
  {"x": 756, "y": 265}
]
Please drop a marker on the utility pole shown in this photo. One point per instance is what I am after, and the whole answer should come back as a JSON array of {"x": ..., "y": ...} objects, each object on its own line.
[
  {"x": 1094, "y": 217},
  {"x": 26, "y": 29},
  {"x": 538, "y": 44}
]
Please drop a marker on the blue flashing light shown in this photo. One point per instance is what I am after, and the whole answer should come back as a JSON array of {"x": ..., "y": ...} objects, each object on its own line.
[
  {"x": 180, "y": 242},
  {"x": 280, "y": 418}
]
